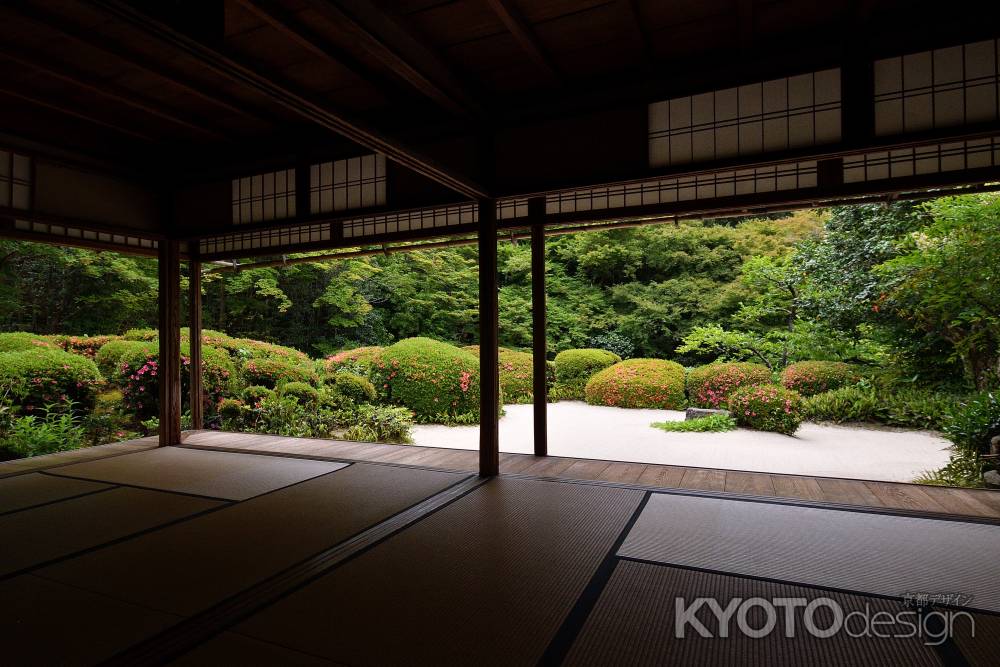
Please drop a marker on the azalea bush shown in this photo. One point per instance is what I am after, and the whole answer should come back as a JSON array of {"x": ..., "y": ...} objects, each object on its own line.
[
  {"x": 360, "y": 361},
  {"x": 639, "y": 383},
  {"x": 711, "y": 386},
  {"x": 516, "y": 374},
  {"x": 344, "y": 386},
  {"x": 139, "y": 372},
  {"x": 767, "y": 407},
  {"x": 271, "y": 373},
  {"x": 109, "y": 356},
  {"x": 815, "y": 377},
  {"x": 574, "y": 368},
  {"x": 18, "y": 341},
  {"x": 299, "y": 392},
  {"x": 437, "y": 381},
  {"x": 42, "y": 376},
  {"x": 88, "y": 346}
]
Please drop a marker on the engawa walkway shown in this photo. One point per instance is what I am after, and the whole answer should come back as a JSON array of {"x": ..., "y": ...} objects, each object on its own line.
[{"x": 897, "y": 496}]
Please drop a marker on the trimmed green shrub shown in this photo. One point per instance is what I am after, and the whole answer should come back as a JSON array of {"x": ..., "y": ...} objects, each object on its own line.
[
  {"x": 20, "y": 341},
  {"x": 271, "y": 373},
  {"x": 230, "y": 408},
  {"x": 711, "y": 386},
  {"x": 814, "y": 377},
  {"x": 360, "y": 361},
  {"x": 138, "y": 371},
  {"x": 301, "y": 392},
  {"x": 42, "y": 376},
  {"x": 639, "y": 383},
  {"x": 85, "y": 345},
  {"x": 109, "y": 356},
  {"x": 574, "y": 368},
  {"x": 145, "y": 335},
  {"x": 911, "y": 408},
  {"x": 709, "y": 424},
  {"x": 515, "y": 374},
  {"x": 354, "y": 388},
  {"x": 255, "y": 394},
  {"x": 437, "y": 381},
  {"x": 767, "y": 407}
]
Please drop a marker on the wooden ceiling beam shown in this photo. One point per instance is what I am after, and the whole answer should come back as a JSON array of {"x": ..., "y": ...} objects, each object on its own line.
[
  {"x": 525, "y": 35},
  {"x": 93, "y": 41},
  {"x": 388, "y": 40},
  {"x": 66, "y": 111},
  {"x": 80, "y": 80},
  {"x": 299, "y": 103},
  {"x": 638, "y": 29}
]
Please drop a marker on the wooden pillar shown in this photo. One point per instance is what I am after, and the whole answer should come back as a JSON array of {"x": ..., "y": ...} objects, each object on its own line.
[
  {"x": 539, "y": 349},
  {"x": 197, "y": 391},
  {"x": 169, "y": 367},
  {"x": 489, "y": 371}
]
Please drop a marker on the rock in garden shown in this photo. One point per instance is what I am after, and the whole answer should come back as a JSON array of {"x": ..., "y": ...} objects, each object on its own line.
[
  {"x": 992, "y": 479},
  {"x": 699, "y": 413}
]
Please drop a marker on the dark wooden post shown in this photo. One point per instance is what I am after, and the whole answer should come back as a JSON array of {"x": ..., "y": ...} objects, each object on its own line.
[
  {"x": 539, "y": 349},
  {"x": 489, "y": 371},
  {"x": 197, "y": 391},
  {"x": 169, "y": 370}
]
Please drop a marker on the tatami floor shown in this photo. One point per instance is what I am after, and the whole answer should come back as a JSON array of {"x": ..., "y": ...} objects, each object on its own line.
[{"x": 310, "y": 552}]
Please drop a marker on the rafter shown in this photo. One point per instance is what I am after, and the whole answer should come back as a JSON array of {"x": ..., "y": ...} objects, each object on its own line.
[
  {"x": 66, "y": 111},
  {"x": 638, "y": 28},
  {"x": 76, "y": 78},
  {"x": 389, "y": 41},
  {"x": 93, "y": 41},
  {"x": 299, "y": 103},
  {"x": 525, "y": 36}
]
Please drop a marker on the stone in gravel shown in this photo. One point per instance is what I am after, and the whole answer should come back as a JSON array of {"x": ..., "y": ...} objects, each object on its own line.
[
  {"x": 991, "y": 478},
  {"x": 699, "y": 413}
]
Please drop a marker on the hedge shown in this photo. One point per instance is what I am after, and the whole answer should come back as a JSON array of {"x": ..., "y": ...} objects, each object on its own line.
[
  {"x": 767, "y": 407},
  {"x": 575, "y": 367},
  {"x": 138, "y": 371},
  {"x": 109, "y": 356},
  {"x": 42, "y": 376},
  {"x": 433, "y": 379},
  {"x": 88, "y": 346},
  {"x": 711, "y": 386},
  {"x": 272, "y": 373},
  {"x": 815, "y": 377},
  {"x": 639, "y": 383},
  {"x": 517, "y": 374},
  {"x": 20, "y": 341},
  {"x": 360, "y": 361}
]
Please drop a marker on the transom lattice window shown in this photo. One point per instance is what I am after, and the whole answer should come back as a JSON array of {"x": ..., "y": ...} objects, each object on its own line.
[
  {"x": 940, "y": 88},
  {"x": 15, "y": 180},
  {"x": 264, "y": 197},
  {"x": 793, "y": 112},
  {"x": 342, "y": 185}
]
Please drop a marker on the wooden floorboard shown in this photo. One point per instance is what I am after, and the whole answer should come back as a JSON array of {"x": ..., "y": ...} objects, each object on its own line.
[{"x": 895, "y": 495}]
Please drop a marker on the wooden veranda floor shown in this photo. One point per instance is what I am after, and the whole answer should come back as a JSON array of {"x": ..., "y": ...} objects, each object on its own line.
[{"x": 911, "y": 497}]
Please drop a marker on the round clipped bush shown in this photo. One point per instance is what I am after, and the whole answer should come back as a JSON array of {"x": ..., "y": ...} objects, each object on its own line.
[
  {"x": 814, "y": 377},
  {"x": 711, "y": 386},
  {"x": 255, "y": 394},
  {"x": 109, "y": 356},
  {"x": 138, "y": 371},
  {"x": 360, "y": 361},
  {"x": 515, "y": 374},
  {"x": 300, "y": 392},
  {"x": 639, "y": 383},
  {"x": 85, "y": 345},
  {"x": 272, "y": 373},
  {"x": 355, "y": 388},
  {"x": 146, "y": 335},
  {"x": 575, "y": 367},
  {"x": 19, "y": 341},
  {"x": 44, "y": 376},
  {"x": 437, "y": 381},
  {"x": 767, "y": 407}
]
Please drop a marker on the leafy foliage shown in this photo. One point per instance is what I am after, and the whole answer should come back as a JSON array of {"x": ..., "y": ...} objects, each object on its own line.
[
  {"x": 35, "y": 436},
  {"x": 43, "y": 376},
  {"x": 516, "y": 374},
  {"x": 575, "y": 367},
  {"x": 711, "y": 386},
  {"x": 639, "y": 383},
  {"x": 431, "y": 378},
  {"x": 767, "y": 407},
  {"x": 710, "y": 424},
  {"x": 815, "y": 377},
  {"x": 271, "y": 373},
  {"x": 613, "y": 342},
  {"x": 300, "y": 392},
  {"x": 19, "y": 341},
  {"x": 351, "y": 387}
]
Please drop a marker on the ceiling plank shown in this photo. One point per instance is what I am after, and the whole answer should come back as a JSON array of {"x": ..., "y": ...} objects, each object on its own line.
[
  {"x": 392, "y": 43},
  {"x": 638, "y": 28},
  {"x": 80, "y": 80},
  {"x": 93, "y": 41},
  {"x": 525, "y": 36},
  {"x": 75, "y": 113},
  {"x": 299, "y": 103}
]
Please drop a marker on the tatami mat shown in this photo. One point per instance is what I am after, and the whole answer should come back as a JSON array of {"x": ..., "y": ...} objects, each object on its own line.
[
  {"x": 38, "y": 535},
  {"x": 233, "y": 649},
  {"x": 204, "y": 560},
  {"x": 215, "y": 474},
  {"x": 486, "y": 580},
  {"x": 633, "y": 623},
  {"x": 857, "y": 551},
  {"x": 36, "y": 489},
  {"x": 46, "y": 623}
]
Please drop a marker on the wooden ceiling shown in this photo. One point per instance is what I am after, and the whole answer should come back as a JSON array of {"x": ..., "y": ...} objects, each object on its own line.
[{"x": 206, "y": 85}]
